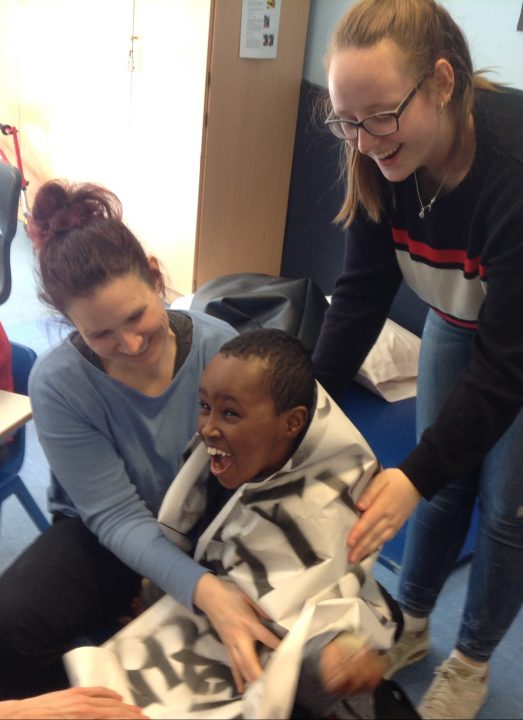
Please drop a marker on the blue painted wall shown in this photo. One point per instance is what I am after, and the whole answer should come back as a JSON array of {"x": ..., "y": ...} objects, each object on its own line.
[{"x": 490, "y": 27}]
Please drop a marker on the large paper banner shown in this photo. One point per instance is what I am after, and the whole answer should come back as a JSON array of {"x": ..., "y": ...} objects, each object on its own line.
[{"x": 282, "y": 541}]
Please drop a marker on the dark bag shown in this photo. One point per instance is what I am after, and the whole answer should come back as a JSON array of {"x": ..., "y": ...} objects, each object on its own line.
[
  {"x": 387, "y": 702},
  {"x": 248, "y": 301},
  {"x": 392, "y": 703}
]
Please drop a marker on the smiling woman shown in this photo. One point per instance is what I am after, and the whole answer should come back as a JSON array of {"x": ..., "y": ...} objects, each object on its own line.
[
  {"x": 436, "y": 202},
  {"x": 114, "y": 406},
  {"x": 125, "y": 324}
]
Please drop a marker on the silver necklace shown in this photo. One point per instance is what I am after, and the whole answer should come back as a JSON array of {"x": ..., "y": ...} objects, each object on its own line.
[{"x": 424, "y": 209}]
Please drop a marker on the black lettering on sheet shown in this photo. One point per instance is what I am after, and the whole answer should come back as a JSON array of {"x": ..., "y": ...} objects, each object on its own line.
[
  {"x": 295, "y": 537},
  {"x": 274, "y": 494}
]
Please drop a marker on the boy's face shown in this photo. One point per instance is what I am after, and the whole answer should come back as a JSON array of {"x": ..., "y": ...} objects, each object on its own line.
[{"x": 238, "y": 423}]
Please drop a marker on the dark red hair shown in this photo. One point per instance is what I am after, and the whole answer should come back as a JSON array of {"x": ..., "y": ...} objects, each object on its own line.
[{"x": 82, "y": 242}]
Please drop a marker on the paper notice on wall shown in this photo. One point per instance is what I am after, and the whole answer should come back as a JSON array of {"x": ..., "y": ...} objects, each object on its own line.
[{"x": 259, "y": 29}]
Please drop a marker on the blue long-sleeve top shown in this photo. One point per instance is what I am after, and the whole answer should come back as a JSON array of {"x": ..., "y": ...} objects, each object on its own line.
[{"x": 114, "y": 451}]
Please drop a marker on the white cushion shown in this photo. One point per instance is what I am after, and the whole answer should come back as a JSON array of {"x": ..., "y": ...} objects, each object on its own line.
[{"x": 391, "y": 367}]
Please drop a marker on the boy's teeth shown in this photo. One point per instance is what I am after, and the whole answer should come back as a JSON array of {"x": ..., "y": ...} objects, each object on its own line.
[{"x": 216, "y": 451}]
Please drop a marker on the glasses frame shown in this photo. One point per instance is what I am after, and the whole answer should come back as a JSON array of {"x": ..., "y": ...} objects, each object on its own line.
[{"x": 332, "y": 122}]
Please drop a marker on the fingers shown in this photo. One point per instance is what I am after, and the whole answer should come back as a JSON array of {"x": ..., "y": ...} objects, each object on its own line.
[
  {"x": 389, "y": 500},
  {"x": 351, "y": 674},
  {"x": 237, "y": 676},
  {"x": 236, "y": 619},
  {"x": 364, "y": 671},
  {"x": 245, "y": 664},
  {"x": 371, "y": 493},
  {"x": 364, "y": 538},
  {"x": 258, "y": 610},
  {"x": 99, "y": 692},
  {"x": 265, "y": 636},
  {"x": 369, "y": 534},
  {"x": 261, "y": 632},
  {"x": 94, "y": 702}
]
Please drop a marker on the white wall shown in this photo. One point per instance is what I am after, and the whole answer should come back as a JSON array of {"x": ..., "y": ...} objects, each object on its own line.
[
  {"x": 490, "y": 27},
  {"x": 65, "y": 82}
]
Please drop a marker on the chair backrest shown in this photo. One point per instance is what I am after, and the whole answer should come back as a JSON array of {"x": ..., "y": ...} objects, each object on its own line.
[
  {"x": 10, "y": 481},
  {"x": 10, "y": 185},
  {"x": 248, "y": 301},
  {"x": 23, "y": 360}
]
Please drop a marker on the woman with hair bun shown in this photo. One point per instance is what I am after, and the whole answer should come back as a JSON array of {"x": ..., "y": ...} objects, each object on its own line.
[
  {"x": 114, "y": 405},
  {"x": 433, "y": 154}
]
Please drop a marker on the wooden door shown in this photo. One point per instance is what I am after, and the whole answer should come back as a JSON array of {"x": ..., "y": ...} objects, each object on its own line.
[{"x": 251, "y": 112}]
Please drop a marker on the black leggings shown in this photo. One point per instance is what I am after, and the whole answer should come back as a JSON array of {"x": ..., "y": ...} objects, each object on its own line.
[{"x": 65, "y": 586}]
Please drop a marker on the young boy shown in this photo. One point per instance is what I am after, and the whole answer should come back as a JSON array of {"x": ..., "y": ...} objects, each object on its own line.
[
  {"x": 286, "y": 469},
  {"x": 293, "y": 465}
]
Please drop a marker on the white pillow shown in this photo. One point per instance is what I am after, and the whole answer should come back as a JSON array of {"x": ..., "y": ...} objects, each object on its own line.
[
  {"x": 391, "y": 367},
  {"x": 182, "y": 302}
]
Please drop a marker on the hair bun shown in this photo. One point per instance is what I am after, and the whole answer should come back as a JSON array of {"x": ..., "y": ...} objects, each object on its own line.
[
  {"x": 60, "y": 207},
  {"x": 66, "y": 219}
]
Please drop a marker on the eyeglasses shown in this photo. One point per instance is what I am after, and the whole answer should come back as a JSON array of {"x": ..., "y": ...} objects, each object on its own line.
[{"x": 379, "y": 124}]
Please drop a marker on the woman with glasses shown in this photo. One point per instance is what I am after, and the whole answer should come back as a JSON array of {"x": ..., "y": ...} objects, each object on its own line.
[{"x": 434, "y": 168}]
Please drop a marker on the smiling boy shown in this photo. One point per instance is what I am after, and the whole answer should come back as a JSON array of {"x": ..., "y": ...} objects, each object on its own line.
[
  {"x": 291, "y": 467},
  {"x": 269, "y": 520},
  {"x": 249, "y": 420}
]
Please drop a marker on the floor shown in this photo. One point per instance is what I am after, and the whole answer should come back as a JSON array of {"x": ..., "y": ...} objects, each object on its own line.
[{"x": 26, "y": 320}]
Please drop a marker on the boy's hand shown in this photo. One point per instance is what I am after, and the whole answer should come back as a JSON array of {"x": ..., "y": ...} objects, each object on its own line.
[
  {"x": 346, "y": 672},
  {"x": 236, "y": 619}
]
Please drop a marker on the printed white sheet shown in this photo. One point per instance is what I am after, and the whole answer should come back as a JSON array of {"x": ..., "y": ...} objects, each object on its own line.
[{"x": 282, "y": 540}]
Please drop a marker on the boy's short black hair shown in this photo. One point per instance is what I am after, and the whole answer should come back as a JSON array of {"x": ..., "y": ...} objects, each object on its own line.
[{"x": 289, "y": 372}]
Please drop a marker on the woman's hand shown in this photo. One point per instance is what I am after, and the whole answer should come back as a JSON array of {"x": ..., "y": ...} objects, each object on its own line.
[
  {"x": 350, "y": 673},
  {"x": 386, "y": 504},
  {"x": 95, "y": 702},
  {"x": 236, "y": 619}
]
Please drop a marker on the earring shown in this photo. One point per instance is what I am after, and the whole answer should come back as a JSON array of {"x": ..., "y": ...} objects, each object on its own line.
[{"x": 442, "y": 106}]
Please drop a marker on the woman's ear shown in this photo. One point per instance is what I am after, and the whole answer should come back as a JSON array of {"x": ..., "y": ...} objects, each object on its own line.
[
  {"x": 154, "y": 264},
  {"x": 296, "y": 420},
  {"x": 443, "y": 81}
]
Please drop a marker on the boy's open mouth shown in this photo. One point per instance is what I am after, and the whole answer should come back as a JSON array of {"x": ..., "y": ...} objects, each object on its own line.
[{"x": 221, "y": 461}]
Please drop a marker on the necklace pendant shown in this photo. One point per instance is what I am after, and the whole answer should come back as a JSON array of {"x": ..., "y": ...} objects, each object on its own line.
[{"x": 424, "y": 209}]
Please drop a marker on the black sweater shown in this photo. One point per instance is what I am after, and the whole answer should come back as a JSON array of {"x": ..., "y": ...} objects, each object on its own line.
[{"x": 465, "y": 259}]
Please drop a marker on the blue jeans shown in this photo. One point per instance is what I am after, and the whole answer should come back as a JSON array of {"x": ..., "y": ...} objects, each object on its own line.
[{"x": 437, "y": 529}]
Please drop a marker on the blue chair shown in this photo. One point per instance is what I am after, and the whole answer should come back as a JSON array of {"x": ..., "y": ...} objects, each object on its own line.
[{"x": 10, "y": 481}]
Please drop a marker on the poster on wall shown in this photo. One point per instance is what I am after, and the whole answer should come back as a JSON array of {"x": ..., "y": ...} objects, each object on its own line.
[{"x": 259, "y": 29}]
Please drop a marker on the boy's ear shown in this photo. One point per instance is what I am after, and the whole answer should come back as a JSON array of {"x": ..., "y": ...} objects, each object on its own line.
[{"x": 296, "y": 420}]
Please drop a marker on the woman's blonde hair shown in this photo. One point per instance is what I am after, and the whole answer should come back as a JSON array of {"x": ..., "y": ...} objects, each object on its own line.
[{"x": 425, "y": 32}]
